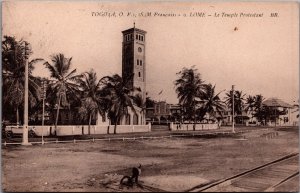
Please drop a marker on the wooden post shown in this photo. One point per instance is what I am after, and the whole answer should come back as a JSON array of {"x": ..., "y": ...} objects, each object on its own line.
[
  {"x": 25, "y": 124},
  {"x": 42, "y": 135},
  {"x": 233, "y": 109}
]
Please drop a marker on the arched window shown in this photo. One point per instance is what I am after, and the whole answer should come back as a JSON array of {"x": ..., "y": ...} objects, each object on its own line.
[
  {"x": 127, "y": 119},
  {"x": 141, "y": 62},
  {"x": 142, "y": 38},
  {"x": 137, "y": 37},
  {"x": 139, "y": 74},
  {"x": 137, "y": 62},
  {"x": 135, "y": 119}
]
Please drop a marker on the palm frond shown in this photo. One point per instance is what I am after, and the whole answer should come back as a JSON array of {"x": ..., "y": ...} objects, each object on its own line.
[{"x": 53, "y": 71}]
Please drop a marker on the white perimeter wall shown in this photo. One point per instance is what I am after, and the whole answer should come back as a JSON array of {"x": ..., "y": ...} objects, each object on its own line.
[
  {"x": 94, "y": 129},
  {"x": 189, "y": 127}
]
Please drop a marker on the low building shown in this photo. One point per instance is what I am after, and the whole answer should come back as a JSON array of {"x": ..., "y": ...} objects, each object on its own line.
[{"x": 162, "y": 112}]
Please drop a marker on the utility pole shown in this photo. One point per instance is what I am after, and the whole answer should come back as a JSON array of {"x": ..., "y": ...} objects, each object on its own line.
[
  {"x": 233, "y": 109},
  {"x": 43, "y": 114},
  {"x": 43, "y": 97},
  {"x": 25, "y": 125}
]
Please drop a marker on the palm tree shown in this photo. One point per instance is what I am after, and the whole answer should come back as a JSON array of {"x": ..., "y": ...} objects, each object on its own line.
[
  {"x": 64, "y": 83},
  {"x": 211, "y": 102},
  {"x": 120, "y": 97},
  {"x": 92, "y": 102},
  {"x": 141, "y": 103},
  {"x": 14, "y": 55},
  {"x": 260, "y": 111},
  {"x": 258, "y": 101},
  {"x": 238, "y": 101},
  {"x": 149, "y": 102},
  {"x": 138, "y": 101},
  {"x": 250, "y": 105},
  {"x": 189, "y": 89}
]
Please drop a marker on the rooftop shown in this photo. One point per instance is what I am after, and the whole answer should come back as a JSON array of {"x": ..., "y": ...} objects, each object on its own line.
[{"x": 134, "y": 29}]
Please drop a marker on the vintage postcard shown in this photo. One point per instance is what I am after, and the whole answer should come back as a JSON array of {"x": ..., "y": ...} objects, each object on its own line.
[{"x": 104, "y": 96}]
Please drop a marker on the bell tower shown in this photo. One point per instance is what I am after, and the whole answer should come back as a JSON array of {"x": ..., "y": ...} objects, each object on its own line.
[{"x": 134, "y": 58}]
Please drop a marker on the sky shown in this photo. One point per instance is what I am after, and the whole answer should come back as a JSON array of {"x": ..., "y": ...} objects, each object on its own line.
[{"x": 259, "y": 55}]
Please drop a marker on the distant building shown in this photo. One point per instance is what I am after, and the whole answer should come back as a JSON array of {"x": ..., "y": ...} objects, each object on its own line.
[
  {"x": 290, "y": 116},
  {"x": 241, "y": 119},
  {"x": 162, "y": 112}
]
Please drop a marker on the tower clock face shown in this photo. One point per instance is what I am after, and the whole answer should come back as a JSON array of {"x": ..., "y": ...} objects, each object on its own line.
[{"x": 140, "y": 49}]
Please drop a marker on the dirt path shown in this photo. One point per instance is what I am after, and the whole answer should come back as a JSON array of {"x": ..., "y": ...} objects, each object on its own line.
[{"x": 168, "y": 164}]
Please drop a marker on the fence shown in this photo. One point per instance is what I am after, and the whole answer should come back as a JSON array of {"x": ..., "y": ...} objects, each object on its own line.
[
  {"x": 189, "y": 127},
  {"x": 84, "y": 129},
  {"x": 130, "y": 138},
  {"x": 69, "y": 130}
]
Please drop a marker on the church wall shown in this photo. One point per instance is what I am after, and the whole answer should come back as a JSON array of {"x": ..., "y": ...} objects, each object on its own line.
[{"x": 134, "y": 61}]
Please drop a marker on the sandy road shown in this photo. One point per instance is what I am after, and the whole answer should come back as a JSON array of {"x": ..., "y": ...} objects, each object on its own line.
[{"x": 175, "y": 164}]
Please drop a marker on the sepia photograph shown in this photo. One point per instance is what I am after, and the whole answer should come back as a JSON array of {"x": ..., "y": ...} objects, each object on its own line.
[{"x": 150, "y": 96}]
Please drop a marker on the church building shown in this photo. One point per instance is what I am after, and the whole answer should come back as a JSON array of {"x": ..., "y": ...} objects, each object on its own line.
[{"x": 134, "y": 63}]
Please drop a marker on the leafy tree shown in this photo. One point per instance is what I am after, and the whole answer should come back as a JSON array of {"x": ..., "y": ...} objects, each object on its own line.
[
  {"x": 211, "y": 102},
  {"x": 269, "y": 113},
  {"x": 92, "y": 101},
  {"x": 189, "y": 88},
  {"x": 238, "y": 101},
  {"x": 250, "y": 105},
  {"x": 119, "y": 94},
  {"x": 254, "y": 105},
  {"x": 149, "y": 102},
  {"x": 258, "y": 102},
  {"x": 14, "y": 56},
  {"x": 138, "y": 101},
  {"x": 266, "y": 113},
  {"x": 63, "y": 87}
]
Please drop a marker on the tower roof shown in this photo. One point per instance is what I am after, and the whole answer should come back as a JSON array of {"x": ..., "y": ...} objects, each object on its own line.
[{"x": 134, "y": 29}]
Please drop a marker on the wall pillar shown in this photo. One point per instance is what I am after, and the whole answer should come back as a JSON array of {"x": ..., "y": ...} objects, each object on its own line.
[
  {"x": 131, "y": 118},
  {"x": 171, "y": 126}
]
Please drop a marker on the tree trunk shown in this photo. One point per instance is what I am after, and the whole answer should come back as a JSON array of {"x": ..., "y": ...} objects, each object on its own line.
[
  {"x": 242, "y": 119},
  {"x": 57, "y": 112},
  {"x": 194, "y": 126},
  {"x": 208, "y": 121},
  {"x": 90, "y": 120},
  {"x": 17, "y": 116},
  {"x": 115, "y": 128}
]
